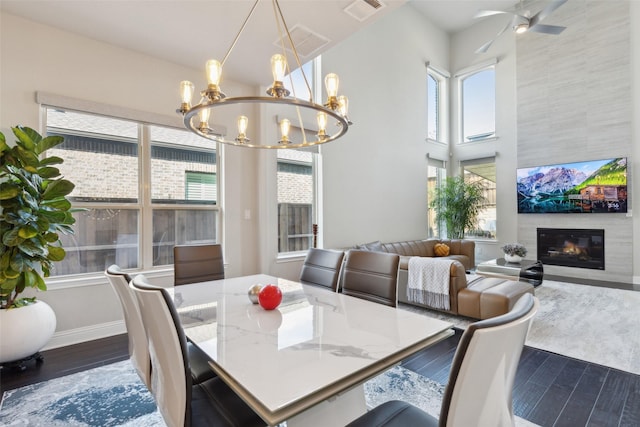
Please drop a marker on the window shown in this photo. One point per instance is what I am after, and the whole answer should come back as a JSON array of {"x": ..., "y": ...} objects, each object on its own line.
[
  {"x": 483, "y": 171},
  {"x": 124, "y": 221},
  {"x": 437, "y": 95},
  {"x": 201, "y": 186},
  {"x": 436, "y": 174},
  {"x": 296, "y": 200},
  {"x": 478, "y": 104}
]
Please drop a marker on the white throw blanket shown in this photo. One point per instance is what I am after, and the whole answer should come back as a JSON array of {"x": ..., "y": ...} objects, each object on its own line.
[{"x": 428, "y": 282}]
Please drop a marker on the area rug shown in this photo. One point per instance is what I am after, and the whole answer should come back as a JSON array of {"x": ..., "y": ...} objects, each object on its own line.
[
  {"x": 591, "y": 323},
  {"x": 113, "y": 395}
]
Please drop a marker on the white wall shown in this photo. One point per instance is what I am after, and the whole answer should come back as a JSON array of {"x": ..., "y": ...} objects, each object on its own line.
[
  {"x": 375, "y": 176},
  {"x": 34, "y": 58}
]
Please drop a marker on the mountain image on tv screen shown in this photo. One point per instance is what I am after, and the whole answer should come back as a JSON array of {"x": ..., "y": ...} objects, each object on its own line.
[{"x": 583, "y": 187}]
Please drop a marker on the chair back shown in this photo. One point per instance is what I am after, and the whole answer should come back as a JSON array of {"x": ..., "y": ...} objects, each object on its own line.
[
  {"x": 170, "y": 377},
  {"x": 372, "y": 276},
  {"x": 479, "y": 391},
  {"x": 322, "y": 268},
  {"x": 197, "y": 263},
  {"x": 138, "y": 348}
]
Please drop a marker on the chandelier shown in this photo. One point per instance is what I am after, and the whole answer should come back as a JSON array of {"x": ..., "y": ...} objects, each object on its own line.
[{"x": 291, "y": 111}]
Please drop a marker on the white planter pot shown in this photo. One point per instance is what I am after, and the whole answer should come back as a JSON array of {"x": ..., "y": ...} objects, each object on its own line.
[
  {"x": 25, "y": 330},
  {"x": 512, "y": 258}
]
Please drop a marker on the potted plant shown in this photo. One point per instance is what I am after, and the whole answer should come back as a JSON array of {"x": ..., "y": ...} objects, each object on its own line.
[
  {"x": 457, "y": 204},
  {"x": 34, "y": 211},
  {"x": 514, "y": 252}
]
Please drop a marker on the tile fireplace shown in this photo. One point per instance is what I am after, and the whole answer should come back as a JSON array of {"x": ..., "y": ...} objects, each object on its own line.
[{"x": 571, "y": 247}]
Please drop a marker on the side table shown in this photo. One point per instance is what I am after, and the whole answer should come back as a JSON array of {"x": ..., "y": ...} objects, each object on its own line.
[{"x": 530, "y": 271}]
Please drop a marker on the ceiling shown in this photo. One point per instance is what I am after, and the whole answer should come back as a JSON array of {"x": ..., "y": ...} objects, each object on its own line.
[{"x": 189, "y": 32}]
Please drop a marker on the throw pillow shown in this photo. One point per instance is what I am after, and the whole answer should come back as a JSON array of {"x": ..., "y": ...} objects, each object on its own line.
[{"x": 441, "y": 249}]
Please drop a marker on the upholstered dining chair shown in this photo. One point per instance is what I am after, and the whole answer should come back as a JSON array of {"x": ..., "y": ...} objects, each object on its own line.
[
  {"x": 138, "y": 342},
  {"x": 479, "y": 391},
  {"x": 322, "y": 268},
  {"x": 372, "y": 276},
  {"x": 210, "y": 403},
  {"x": 197, "y": 263}
]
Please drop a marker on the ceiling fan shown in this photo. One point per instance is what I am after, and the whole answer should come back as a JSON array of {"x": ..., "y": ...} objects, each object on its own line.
[{"x": 522, "y": 22}]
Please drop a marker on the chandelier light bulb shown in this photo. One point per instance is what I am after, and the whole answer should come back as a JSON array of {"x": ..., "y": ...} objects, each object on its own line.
[
  {"x": 186, "y": 92},
  {"x": 322, "y": 124},
  {"x": 322, "y": 121},
  {"x": 243, "y": 122},
  {"x": 278, "y": 67},
  {"x": 214, "y": 72},
  {"x": 285, "y": 126},
  {"x": 331, "y": 82},
  {"x": 343, "y": 105},
  {"x": 204, "y": 119}
]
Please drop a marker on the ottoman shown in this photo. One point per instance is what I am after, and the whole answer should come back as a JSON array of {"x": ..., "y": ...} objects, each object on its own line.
[{"x": 486, "y": 297}]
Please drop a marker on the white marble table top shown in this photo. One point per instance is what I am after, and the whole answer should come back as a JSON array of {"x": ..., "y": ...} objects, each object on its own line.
[{"x": 316, "y": 344}]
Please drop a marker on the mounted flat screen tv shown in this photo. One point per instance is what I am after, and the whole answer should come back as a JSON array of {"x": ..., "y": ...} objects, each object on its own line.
[{"x": 582, "y": 187}]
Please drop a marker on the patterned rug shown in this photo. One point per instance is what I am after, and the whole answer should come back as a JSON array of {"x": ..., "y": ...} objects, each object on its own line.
[
  {"x": 590, "y": 323},
  {"x": 113, "y": 395}
]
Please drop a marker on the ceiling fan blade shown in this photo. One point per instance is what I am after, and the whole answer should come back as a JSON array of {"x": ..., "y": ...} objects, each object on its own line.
[
  {"x": 551, "y": 7},
  {"x": 547, "y": 29},
  {"x": 484, "y": 13},
  {"x": 487, "y": 45}
]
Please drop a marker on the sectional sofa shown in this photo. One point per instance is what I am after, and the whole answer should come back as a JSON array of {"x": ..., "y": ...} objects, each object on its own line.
[{"x": 470, "y": 295}]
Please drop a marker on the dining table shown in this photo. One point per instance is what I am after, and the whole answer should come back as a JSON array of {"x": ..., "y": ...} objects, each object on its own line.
[{"x": 306, "y": 361}]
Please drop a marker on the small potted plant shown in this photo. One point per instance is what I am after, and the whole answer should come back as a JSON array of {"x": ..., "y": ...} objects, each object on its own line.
[
  {"x": 514, "y": 252},
  {"x": 34, "y": 211}
]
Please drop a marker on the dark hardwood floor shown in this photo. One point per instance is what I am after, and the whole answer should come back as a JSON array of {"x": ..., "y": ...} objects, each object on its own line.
[
  {"x": 67, "y": 360},
  {"x": 549, "y": 389}
]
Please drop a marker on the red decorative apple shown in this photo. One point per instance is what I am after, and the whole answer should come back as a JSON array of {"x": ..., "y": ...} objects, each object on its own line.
[{"x": 270, "y": 297}]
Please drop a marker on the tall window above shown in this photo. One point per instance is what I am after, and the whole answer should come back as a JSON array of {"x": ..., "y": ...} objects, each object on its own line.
[
  {"x": 478, "y": 104},
  {"x": 296, "y": 200},
  {"x": 437, "y": 106},
  {"x": 483, "y": 171},
  {"x": 126, "y": 221}
]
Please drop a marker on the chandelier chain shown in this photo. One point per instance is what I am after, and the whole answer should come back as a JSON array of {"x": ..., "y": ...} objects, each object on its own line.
[{"x": 244, "y": 24}]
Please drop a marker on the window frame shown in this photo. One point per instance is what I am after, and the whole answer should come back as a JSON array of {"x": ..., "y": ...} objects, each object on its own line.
[
  {"x": 489, "y": 205},
  {"x": 460, "y": 77},
  {"x": 441, "y": 78},
  {"x": 144, "y": 205},
  {"x": 435, "y": 229}
]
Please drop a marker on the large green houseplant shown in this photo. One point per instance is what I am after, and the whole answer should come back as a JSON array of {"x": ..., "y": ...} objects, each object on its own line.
[
  {"x": 34, "y": 211},
  {"x": 457, "y": 204}
]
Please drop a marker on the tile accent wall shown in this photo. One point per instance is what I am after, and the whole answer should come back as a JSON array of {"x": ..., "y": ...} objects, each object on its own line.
[{"x": 574, "y": 104}]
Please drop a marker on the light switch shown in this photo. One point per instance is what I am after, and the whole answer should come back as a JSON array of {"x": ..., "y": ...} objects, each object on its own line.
[{"x": 247, "y": 214}]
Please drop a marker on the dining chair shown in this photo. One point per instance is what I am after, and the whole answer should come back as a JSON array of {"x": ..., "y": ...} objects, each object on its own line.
[
  {"x": 372, "y": 276},
  {"x": 322, "y": 267},
  {"x": 180, "y": 402},
  {"x": 197, "y": 263},
  {"x": 479, "y": 391},
  {"x": 138, "y": 342}
]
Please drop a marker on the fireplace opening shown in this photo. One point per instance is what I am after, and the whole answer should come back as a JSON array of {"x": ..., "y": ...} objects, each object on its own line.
[{"x": 570, "y": 247}]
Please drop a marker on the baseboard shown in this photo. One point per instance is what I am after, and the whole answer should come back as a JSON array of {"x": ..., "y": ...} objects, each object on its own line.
[{"x": 88, "y": 333}]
